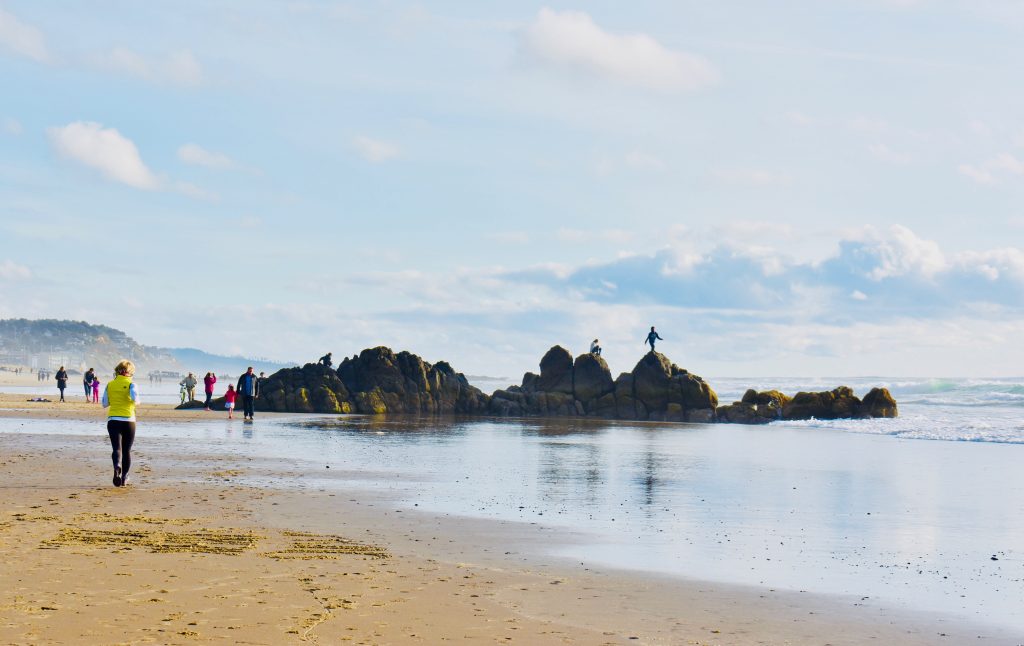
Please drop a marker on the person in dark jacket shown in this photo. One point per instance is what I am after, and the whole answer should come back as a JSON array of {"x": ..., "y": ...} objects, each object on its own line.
[
  {"x": 62, "y": 381},
  {"x": 249, "y": 388},
  {"x": 90, "y": 374},
  {"x": 652, "y": 336}
]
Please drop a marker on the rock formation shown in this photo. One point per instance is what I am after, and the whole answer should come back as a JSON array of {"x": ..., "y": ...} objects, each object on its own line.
[
  {"x": 840, "y": 403},
  {"x": 376, "y": 381},
  {"x": 656, "y": 389},
  {"x": 379, "y": 381}
]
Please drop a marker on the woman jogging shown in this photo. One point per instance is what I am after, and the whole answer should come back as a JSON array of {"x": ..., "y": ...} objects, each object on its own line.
[{"x": 120, "y": 395}]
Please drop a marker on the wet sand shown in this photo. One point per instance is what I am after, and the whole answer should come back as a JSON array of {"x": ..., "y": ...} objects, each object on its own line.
[{"x": 189, "y": 554}]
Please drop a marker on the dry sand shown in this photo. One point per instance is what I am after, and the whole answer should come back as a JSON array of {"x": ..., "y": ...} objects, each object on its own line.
[{"x": 189, "y": 554}]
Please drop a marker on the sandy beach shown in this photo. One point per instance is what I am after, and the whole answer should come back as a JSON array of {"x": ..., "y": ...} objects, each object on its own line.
[{"x": 188, "y": 554}]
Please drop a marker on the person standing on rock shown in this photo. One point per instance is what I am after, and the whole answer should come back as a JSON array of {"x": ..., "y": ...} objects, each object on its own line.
[
  {"x": 62, "y": 380},
  {"x": 652, "y": 336},
  {"x": 248, "y": 387},
  {"x": 209, "y": 381},
  {"x": 122, "y": 398},
  {"x": 595, "y": 347}
]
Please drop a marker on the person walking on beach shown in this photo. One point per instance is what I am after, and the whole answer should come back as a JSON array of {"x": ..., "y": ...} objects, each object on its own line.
[
  {"x": 248, "y": 387},
  {"x": 595, "y": 347},
  {"x": 122, "y": 398},
  {"x": 62, "y": 381},
  {"x": 90, "y": 374},
  {"x": 95, "y": 390},
  {"x": 652, "y": 336},
  {"x": 208, "y": 382},
  {"x": 229, "y": 400}
]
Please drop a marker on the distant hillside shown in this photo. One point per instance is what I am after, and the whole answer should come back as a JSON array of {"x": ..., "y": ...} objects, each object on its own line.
[{"x": 51, "y": 343}]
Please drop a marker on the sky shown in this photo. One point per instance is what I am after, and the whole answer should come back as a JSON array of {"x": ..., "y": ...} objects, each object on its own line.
[{"x": 783, "y": 189}]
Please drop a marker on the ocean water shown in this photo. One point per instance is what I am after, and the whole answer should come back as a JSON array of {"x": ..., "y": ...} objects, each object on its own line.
[{"x": 923, "y": 512}]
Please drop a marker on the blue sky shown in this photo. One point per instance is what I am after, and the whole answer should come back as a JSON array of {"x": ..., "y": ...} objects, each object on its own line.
[{"x": 788, "y": 188}]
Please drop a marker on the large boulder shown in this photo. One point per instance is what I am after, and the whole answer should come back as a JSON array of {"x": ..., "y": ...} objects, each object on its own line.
[
  {"x": 879, "y": 403},
  {"x": 591, "y": 377},
  {"x": 313, "y": 388},
  {"x": 556, "y": 371},
  {"x": 382, "y": 381},
  {"x": 830, "y": 404},
  {"x": 652, "y": 379}
]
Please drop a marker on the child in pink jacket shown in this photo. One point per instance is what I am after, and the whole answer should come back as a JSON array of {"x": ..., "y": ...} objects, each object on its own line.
[{"x": 229, "y": 400}]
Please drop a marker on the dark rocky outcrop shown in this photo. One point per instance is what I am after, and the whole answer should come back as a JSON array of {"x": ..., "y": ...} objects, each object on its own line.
[
  {"x": 840, "y": 403},
  {"x": 380, "y": 381},
  {"x": 376, "y": 381},
  {"x": 656, "y": 389}
]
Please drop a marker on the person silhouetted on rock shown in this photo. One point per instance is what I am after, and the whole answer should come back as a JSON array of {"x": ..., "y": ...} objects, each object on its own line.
[
  {"x": 652, "y": 336},
  {"x": 325, "y": 360},
  {"x": 595, "y": 347}
]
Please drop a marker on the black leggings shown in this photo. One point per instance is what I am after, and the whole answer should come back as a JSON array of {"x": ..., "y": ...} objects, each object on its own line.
[{"x": 122, "y": 434}]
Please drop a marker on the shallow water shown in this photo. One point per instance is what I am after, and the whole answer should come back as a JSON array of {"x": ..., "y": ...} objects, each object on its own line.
[{"x": 901, "y": 521}]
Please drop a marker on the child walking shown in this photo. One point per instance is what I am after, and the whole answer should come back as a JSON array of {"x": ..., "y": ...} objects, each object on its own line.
[
  {"x": 229, "y": 400},
  {"x": 96, "y": 390}
]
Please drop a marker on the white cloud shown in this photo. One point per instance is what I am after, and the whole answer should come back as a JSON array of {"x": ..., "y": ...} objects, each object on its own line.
[
  {"x": 979, "y": 175},
  {"x": 884, "y": 153},
  {"x": 900, "y": 252},
  {"x": 21, "y": 39},
  {"x": 988, "y": 173},
  {"x": 858, "y": 295},
  {"x": 179, "y": 68},
  {"x": 644, "y": 161},
  {"x": 571, "y": 40},
  {"x": 374, "y": 150},
  {"x": 12, "y": 126},
  {"x": 103, "y": 149},
  {"x": 509, "y": 237},
  {"x": 752, "y": 176},
  {"x": 586, "y": 236},
  {"x": 1008, "y": 163},
  {"x": 198, "y": 156},
  {"x": 196, "y": 192},
  {"x": 10, "y": 270}
]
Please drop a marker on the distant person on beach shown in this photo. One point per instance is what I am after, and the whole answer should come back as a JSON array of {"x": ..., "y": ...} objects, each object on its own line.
[
  {"x": 248, "y": 387},
  {"x": 90, "y": 374},
  {"x": 595, "y": 347},
  {"x": 190, "y": 382},
  {"x": 95, "y": 390},
  {"x": 652, "y": 336},
  {"x": 122, "y": 398},
  {"x": 62, "y": 381},
  {"x": 229, "y": 400},
  {"x": 208, "y": 383}
]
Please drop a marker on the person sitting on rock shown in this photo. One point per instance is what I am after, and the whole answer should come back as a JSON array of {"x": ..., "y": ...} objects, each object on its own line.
[
  {"x": 652, "y": 336},
  {"x": 325, "y": 360},
  {"x": 595, "y": 348}
]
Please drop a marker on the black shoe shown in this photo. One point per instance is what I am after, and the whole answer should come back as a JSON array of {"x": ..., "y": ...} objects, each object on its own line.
[{"x": 117, "y": 477}]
